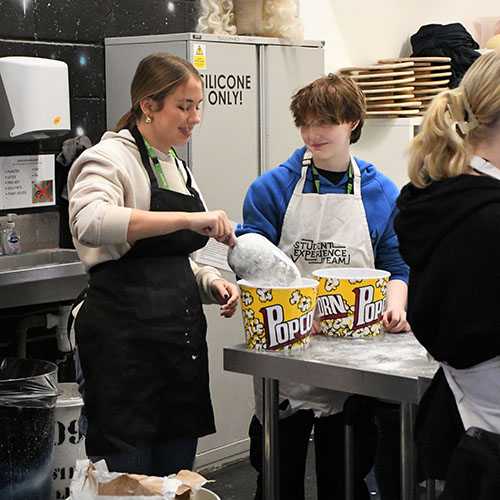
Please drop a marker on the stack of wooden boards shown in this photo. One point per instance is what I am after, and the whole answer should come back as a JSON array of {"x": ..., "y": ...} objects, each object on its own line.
[{"x": 400, "y": 87}]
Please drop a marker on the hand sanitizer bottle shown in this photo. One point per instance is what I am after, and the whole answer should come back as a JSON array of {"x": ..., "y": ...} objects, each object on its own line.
[{"x": 12, "y": 240}]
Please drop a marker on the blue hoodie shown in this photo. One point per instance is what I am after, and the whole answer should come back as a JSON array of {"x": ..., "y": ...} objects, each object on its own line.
[{"x": 267, "y": 200}]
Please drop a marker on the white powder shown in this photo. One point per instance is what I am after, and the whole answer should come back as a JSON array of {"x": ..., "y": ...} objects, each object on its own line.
[{"x": 255, "y": 259}]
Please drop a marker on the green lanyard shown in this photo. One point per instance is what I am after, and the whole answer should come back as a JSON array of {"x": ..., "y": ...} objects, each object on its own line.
[
  {"x": 157, "y": 164},
  {"x": 350, "y": 180}
]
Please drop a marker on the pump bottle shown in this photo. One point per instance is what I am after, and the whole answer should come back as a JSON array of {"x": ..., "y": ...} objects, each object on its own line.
[{"x": 12, "y": 240}]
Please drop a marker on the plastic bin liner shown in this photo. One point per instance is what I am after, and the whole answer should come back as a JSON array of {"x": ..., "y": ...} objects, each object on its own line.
[{"x": 28, "y": 394}]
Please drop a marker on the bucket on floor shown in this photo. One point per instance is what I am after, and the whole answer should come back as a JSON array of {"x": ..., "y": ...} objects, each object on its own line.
[
  {"x": 69, "y": 443},
  {"x": 278, "y": 318},
  {"x": 351, "y": 301},
  {"x": 28, "y": 392},
  {"x": 204, "y": 494}
]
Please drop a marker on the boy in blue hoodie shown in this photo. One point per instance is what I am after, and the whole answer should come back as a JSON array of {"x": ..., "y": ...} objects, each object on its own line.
[{"x": 322, "y": 194}]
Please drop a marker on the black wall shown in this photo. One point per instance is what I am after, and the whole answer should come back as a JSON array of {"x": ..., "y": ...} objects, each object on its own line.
[{"x": 73, "y": 31}]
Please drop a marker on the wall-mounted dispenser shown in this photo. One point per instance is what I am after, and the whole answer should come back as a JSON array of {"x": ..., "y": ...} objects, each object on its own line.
[{"x": 34, "y": 98}]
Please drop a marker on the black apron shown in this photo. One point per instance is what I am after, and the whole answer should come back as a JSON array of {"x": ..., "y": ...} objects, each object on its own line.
[{"x": 141, "y": 335}]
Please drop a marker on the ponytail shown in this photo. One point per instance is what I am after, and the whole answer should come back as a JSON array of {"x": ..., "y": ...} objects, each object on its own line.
[
  {"x": 439, "y": 150},
  {"x": 128, "y": 120},
  {"x": 455, "y": 123}
]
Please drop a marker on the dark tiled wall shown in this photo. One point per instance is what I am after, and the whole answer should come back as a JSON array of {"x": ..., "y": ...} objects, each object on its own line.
[{"x": 74, "y": 31}]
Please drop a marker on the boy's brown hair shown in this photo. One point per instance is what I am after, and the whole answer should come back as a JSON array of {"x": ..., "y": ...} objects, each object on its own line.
[{"x": 332, "y": 98}]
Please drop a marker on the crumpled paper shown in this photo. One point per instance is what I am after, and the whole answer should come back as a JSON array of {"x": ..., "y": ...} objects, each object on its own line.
[
  {"x": 94, "y": 482},
  {"x": 255, "y": 259}
]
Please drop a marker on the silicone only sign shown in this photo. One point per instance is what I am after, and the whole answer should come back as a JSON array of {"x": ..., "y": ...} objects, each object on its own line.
[{"x": 226, "y": 90}]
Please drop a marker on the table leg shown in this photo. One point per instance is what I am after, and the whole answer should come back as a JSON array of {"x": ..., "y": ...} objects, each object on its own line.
[
  {"x": 349, "y": 461},
  {"x": 430, "y": 489},
  {"x": 270, "y": 437},
  {"x": 408, "y": 462}
]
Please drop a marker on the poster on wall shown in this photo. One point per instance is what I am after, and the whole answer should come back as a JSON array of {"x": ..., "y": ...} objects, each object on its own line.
[{"x": 27, "y": 181}]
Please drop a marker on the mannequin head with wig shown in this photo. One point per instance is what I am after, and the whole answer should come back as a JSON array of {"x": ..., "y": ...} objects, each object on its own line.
[{"x": 272, "y": 18}]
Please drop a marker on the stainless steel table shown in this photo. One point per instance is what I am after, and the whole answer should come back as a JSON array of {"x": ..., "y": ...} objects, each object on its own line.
[{"x": 389, "y": 366}]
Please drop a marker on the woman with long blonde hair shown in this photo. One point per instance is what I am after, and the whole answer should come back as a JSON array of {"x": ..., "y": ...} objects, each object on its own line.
[{"x": 448, "y": 228}]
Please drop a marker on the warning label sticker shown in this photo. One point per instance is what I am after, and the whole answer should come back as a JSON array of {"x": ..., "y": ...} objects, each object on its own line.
[{"x": 200, "y": 56}]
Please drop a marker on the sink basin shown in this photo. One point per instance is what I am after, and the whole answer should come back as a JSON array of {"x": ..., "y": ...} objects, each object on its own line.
[
  {"x": 42, "y": 276},
  {"x": 46, "y": 257}
]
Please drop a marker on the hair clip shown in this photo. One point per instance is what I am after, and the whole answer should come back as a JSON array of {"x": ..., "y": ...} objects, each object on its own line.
[{"x": 454, "y": 115}]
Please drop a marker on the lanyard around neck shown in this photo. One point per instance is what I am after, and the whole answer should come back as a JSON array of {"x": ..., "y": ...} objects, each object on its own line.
[
  {"x": 350, "y": 180},
  {"x": 157, "y": 164}
]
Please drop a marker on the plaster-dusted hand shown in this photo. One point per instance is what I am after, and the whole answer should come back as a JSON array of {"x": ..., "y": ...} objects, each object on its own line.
[
  {"x": 214, "y": 224},
  {"x": 226, "y": 294},
  {"x": 394, "y": 320}
]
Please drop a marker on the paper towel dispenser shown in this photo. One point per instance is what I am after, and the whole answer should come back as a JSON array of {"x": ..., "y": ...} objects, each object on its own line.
[{"x": 34, "y": 98}]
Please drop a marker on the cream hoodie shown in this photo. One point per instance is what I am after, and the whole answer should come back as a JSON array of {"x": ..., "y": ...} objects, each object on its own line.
[{"x": 104, "y": 184}]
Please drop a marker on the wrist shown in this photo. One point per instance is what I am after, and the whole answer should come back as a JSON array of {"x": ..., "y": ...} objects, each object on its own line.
[{"x": 187, "y": 221}]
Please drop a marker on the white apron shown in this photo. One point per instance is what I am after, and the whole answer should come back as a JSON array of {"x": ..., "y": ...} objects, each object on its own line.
[
  {"x": 477, "y": 393},
  {"x": 321, "y": 231}
]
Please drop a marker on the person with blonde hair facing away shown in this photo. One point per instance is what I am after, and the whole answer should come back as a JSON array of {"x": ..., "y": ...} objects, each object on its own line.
[
  {"x": 136, "y": 215},
  {"x": 448, "y": 228}
]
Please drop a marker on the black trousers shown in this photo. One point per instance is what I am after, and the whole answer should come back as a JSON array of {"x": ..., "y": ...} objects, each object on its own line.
[
  {"x": 294, "y": 434},
  {"x": 387, "y": 458}
]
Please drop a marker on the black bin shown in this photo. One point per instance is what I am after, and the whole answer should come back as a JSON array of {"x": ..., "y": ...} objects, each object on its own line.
[{"x": 28, "y": 394}]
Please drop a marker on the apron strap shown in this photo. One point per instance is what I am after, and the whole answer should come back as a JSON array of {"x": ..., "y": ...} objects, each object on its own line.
[
  {"x": 483, "y": 166},
  {"x": 81, "y": 297},
  {"x": 357, "y": 177},
  {"x": 139, "y": 140},
  {"x": 181, "y": 167}
]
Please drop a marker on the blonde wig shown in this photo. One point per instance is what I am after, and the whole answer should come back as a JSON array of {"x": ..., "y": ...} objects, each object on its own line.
[
  {"x": 280, "y": 20},
  {"x": 273, "y": 18},
  {"x": 456, "y": 122},
  {"x": 216, "y": 16}
]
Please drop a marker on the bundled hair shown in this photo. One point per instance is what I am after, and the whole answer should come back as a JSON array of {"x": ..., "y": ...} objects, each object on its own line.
[{"x": 456, "y": 121}]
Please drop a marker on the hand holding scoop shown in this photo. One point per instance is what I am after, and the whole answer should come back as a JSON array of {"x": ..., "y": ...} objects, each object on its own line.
[{"x": 255, "y": 259}]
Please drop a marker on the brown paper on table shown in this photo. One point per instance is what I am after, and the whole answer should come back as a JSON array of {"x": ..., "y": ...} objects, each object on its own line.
[{"x": 137, "y": 484}]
